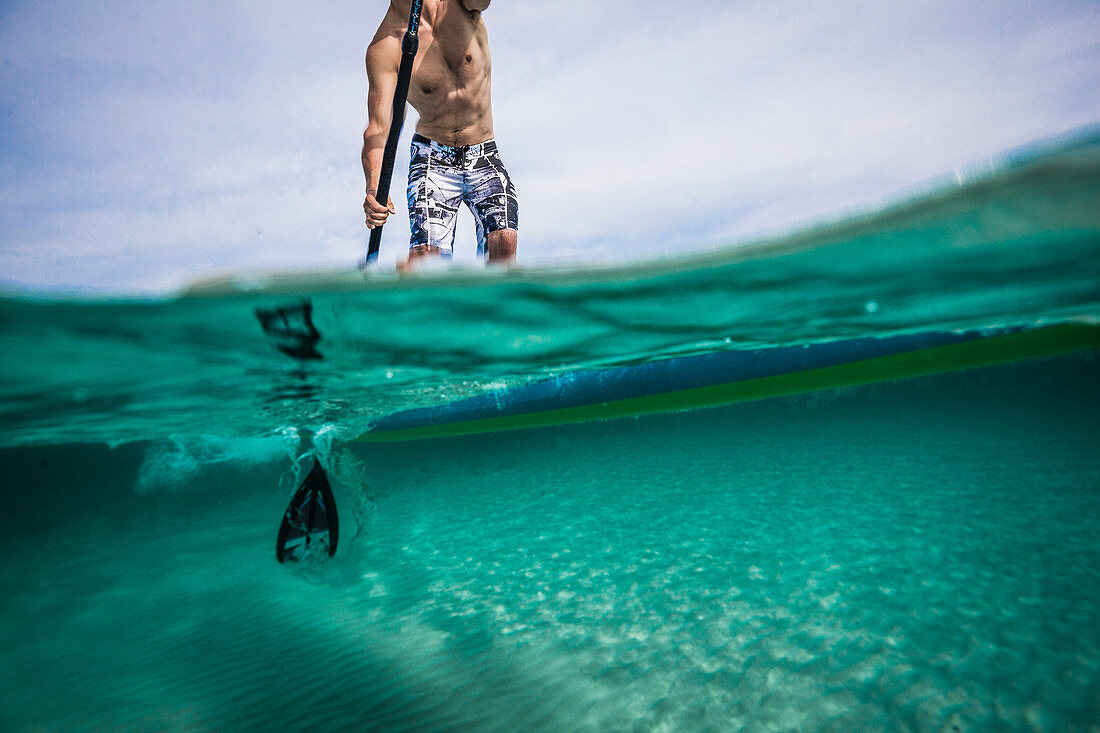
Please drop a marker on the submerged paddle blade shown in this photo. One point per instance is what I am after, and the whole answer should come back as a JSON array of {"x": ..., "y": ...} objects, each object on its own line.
[{"x": 310, "y": 528}]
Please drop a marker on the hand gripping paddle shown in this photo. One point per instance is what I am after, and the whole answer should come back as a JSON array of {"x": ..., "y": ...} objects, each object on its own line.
[{"x": 409, "y": 45}]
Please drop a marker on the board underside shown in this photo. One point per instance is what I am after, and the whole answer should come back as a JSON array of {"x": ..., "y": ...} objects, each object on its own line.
[{"x": 715, "y": 379}]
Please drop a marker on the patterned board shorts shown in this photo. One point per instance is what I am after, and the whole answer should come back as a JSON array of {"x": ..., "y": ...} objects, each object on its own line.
[{"x": 441, "y": 177}]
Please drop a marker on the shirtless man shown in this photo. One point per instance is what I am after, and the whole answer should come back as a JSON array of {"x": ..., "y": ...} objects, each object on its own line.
[{"x": 454, "y": 158}]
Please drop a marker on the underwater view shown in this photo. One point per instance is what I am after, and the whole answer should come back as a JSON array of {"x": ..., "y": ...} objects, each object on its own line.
[{"x": 914, "y": 550}]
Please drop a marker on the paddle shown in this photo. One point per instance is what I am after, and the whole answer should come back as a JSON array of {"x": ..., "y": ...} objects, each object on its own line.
[
  {"x": 409, "y": 45},
  {"x": 310, "y": 527}
]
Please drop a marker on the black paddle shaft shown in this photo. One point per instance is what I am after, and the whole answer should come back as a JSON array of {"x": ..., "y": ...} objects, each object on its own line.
[{"x": 409, "y": 45}]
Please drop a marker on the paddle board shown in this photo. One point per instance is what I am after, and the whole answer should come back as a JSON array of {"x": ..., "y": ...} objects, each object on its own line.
[{"x": 727, "y": 377}]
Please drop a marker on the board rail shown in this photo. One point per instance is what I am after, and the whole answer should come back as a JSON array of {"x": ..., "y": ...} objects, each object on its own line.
[{"x": 723, "y": 378}]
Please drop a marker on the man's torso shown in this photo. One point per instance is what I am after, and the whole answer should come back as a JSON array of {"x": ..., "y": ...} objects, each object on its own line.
[{"x": 450, "y": 86}]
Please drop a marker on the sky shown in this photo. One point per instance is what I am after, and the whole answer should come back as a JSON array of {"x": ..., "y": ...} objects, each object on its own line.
[{"x": 144, "y": 144}]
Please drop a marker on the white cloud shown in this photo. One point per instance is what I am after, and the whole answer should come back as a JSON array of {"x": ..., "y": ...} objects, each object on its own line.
[
  {"x": 146, "y": 143},
  {"x": 797, "y": 108}
]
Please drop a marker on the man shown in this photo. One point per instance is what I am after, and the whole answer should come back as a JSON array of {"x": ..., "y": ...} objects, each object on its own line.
[{"x": 454, "y": 158}]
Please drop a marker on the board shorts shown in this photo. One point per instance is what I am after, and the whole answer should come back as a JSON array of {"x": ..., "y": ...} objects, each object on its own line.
[{"x": 442, "y": 177}]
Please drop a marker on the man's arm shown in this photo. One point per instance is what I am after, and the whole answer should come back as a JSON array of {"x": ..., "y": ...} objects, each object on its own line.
[
  {"x": 383, "y": 58},
  {"x": 475, "y": 5}
]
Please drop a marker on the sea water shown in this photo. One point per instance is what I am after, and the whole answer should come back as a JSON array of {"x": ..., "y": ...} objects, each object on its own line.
[{"x": 915, "y": 555}]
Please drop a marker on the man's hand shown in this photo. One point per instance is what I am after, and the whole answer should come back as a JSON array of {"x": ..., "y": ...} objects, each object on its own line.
[{"x": 376, "y": 212}]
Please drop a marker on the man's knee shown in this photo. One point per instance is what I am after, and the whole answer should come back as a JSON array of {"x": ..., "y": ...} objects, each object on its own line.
[{"x": 502, "y": 244}]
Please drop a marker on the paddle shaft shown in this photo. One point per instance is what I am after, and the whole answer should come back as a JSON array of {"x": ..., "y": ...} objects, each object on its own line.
[{"x": 409, "y": 45}]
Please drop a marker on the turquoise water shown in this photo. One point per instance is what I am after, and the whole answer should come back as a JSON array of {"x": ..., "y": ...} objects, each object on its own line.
[{"x": 916, "y": 555}]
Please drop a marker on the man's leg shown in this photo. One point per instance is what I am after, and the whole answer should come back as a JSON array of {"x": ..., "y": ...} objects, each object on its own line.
[
  {"x": 492, "y": 197},
  {"x": 434, "y": 194},
  {"x": 501, "y": 246}
]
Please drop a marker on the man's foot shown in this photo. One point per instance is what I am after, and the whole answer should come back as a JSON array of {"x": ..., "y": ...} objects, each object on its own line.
[{"x": 418, "y": 253}]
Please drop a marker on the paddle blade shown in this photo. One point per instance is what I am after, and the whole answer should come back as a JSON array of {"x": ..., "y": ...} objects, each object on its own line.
[{"x": 310, "y": 528}]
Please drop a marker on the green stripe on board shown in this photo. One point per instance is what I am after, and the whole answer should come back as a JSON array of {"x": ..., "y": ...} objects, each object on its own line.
[{"x": 1031, "y": 344}]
